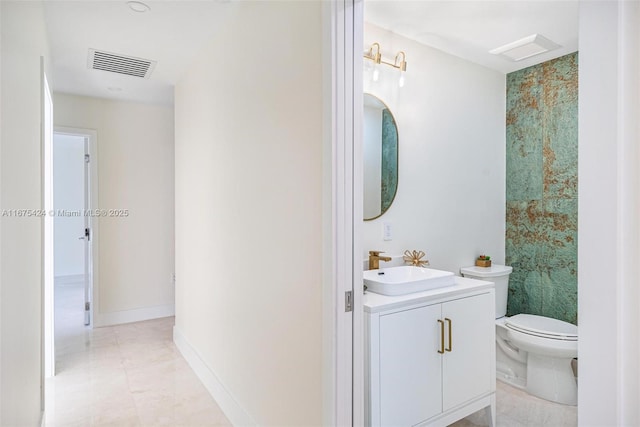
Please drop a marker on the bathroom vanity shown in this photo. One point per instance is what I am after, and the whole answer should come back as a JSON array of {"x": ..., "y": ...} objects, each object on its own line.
[{"x": 430, "y": 355}]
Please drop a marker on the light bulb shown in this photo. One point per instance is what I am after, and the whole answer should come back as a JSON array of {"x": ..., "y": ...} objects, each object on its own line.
[
  {"x": 401, "y": 80},
  {"x": 367, "y": 65},
  {"x": 376, "y": 73}
]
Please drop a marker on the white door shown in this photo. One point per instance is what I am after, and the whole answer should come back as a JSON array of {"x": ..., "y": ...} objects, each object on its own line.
[
  {"x": 470, "y": 345},
  {"x": 410, "y": 366},
  {"x": 346, "y": 408}
]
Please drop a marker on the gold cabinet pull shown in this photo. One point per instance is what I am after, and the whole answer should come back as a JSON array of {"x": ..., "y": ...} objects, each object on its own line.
[
  {"x": 446, "y": 319},
  {"x": 441, "y": 351}
]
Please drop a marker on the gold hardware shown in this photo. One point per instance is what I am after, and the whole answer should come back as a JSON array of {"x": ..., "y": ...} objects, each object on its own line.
[
  {"x": 413, "y": 258},
  {"x": 402, "y": 66},
  {"x": 376, "y": 57},
  {"x": 446, "y": 319},
  {"x": 375, "y": 258},
  {"x": 441, "y": 351}
]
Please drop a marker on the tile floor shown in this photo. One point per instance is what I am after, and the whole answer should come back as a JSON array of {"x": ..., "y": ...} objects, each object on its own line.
[
  {"x": 133, "y": 375},
  {"x": 126, "y": 375},
  {"x": 515, "y": 408}
]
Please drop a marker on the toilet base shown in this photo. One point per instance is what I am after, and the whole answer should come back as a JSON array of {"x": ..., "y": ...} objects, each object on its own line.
[
  {"x": 510, "y": 366},
  {"x": 549, "y": 378},
  {"x": 511, "y": 380},
  {"x": 552, "y": 379}
]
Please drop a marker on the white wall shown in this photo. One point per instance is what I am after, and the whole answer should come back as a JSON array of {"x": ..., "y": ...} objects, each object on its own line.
[
  {"x": 24, "y": 41},
  {"x": 609, "y": 229},
  {"x": 68, "y": 189},
  {"x": 135, "y": 167},
  {"x": 451, "y": 140},
  {"x": 249, "y": 213}
]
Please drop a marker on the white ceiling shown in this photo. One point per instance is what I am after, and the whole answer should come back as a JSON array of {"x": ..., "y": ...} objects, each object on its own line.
[
  {"x": 470, "y": 29},
  {"x": 172, "y": 33}
]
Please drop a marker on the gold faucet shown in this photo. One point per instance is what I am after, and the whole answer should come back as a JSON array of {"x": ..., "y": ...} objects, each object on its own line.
[{"x": 375, "y": 258}]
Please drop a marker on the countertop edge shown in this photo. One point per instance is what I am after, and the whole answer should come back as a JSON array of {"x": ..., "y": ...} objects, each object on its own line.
[{"x": 374, "y": 303}]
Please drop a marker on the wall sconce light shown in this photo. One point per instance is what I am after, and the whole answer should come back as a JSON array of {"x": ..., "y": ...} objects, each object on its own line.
[
  {"x": 402, "y": 66},
  {"x": 399, "y": 63}
]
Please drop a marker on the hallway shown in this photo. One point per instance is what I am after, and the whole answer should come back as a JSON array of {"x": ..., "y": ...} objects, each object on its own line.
[{"x": 125, "y": 375}]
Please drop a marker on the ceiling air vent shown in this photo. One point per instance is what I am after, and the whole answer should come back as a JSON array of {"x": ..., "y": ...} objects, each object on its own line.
[
  {"x": 527, "y": 47},
  {"x": 114, "y": 63}
]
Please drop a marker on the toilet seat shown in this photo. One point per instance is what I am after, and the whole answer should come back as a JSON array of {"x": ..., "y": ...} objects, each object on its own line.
[{"x": 543, "y": 327}]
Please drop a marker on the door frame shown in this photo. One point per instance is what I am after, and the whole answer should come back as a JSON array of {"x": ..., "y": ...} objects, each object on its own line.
[
  {"x": 344, "y": 362},
  {"x": 48, "y": 332},
  {"x": 92, "y": 146}
]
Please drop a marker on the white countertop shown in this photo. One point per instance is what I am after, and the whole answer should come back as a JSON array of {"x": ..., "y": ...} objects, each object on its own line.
[{"x": 375, "y": 302}]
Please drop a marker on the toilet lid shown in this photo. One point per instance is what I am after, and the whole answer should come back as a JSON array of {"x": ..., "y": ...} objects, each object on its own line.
[{"x": 543, "y": 327}]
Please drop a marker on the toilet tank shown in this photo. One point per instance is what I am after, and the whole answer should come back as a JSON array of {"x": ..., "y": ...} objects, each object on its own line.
[{"x": 498, "y": 274}]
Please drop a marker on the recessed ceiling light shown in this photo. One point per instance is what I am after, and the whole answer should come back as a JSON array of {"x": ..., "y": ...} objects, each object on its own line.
[
  {"x": 527, "y": 47},
  {"x": 138, "y": 6},
  {"x": 115, "y": 89}
]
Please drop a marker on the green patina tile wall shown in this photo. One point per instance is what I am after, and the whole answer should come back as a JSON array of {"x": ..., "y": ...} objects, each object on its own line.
[{"x": 542, "y": 189}]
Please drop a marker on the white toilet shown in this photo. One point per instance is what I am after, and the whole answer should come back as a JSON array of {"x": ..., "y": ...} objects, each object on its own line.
[{"x": 534, "y": 353}]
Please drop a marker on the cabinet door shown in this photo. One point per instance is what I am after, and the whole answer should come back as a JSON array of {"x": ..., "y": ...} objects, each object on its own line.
[
  {"x": 410, "y": 366},
  {"x": 467, "y": 368}
]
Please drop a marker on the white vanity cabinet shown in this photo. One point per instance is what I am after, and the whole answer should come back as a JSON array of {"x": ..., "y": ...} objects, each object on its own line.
[{"x": 430, "y": 356}]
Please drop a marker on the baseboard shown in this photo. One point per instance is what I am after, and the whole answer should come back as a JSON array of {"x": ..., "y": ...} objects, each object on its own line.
[
  {"x": 68, "y": 279},
  {"x": 135, "y": 315},
  {"x": 231, "y": 408}
]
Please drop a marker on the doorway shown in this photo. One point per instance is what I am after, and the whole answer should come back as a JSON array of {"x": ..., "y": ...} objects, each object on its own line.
[
  {"x": 71, "y": 232},
  {"x": 74, "y": 200}
]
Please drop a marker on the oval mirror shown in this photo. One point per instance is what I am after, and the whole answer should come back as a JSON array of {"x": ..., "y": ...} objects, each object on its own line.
[{"x": 380, "y": 135}]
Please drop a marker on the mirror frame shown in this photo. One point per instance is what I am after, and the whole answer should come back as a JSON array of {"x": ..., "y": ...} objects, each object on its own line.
[{"x": 395, "y": 122}]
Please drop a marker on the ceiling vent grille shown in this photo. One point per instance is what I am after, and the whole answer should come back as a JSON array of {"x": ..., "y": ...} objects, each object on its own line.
[
  {"x": 114, "y": 63},
  {"x": 527, "y": 47}
]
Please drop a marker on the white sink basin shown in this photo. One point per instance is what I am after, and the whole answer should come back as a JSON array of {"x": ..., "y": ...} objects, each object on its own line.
[{"x": 406, "y": 279}]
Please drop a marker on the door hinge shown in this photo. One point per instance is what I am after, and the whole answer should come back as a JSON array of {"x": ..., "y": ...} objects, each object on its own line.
[
  {"x": 348, "y": 301},
  {"x": 87, "y": 158},
  {"x": 87, "y": 306},
  {"x": 87, "y": 233}
]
